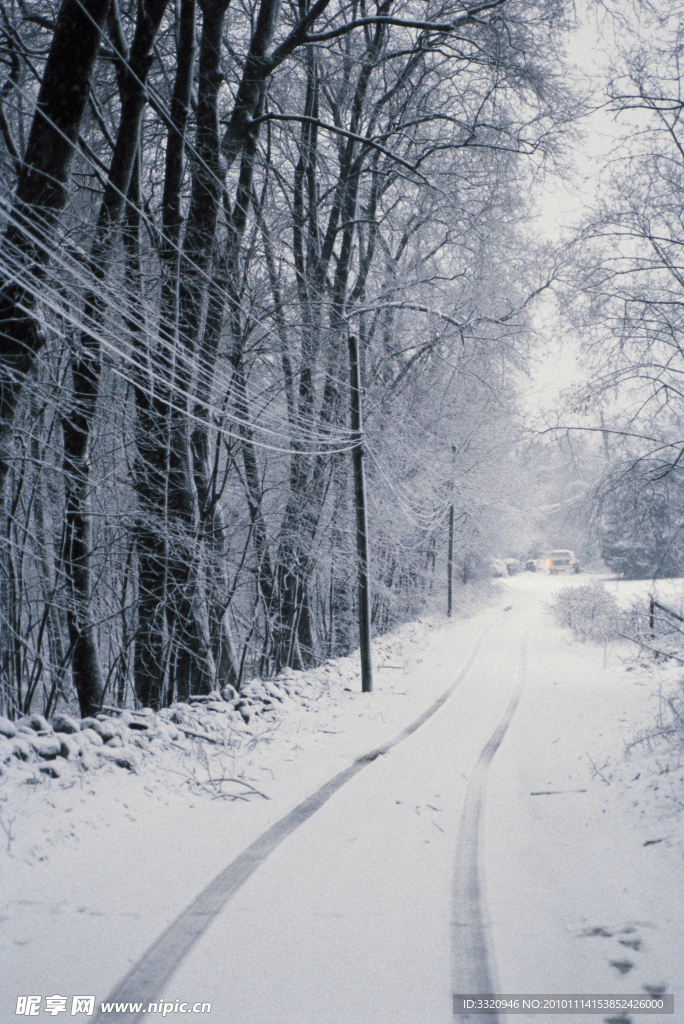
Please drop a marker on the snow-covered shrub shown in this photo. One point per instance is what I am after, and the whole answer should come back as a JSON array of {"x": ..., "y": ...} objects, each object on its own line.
[
  {"x": 640, "y": 521},
  {"x": 591, "y": 612}
]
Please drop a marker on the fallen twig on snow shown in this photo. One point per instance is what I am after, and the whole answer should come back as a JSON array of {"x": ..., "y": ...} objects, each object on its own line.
[
  {"x": 650, "y": 736},
  {"x": 120, "y": 711},
  {"x": 647, "y": 647},
  {"x": 597, "y": 771},
  {"x": 204, "y": 736},
  {"x": 241, "y": 782}
]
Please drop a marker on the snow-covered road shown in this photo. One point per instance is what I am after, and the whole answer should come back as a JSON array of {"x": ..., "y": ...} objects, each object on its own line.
[{"x": 447, "y": 861}]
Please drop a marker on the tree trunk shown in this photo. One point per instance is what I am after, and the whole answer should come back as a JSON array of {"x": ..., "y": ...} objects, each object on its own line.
[
  {"x": 40, "y": 197},
  {"x": 152, "y": 371},
  {"x": 212, "y": 528},
  {"x": 195, "y": 665},
  {"x": 87, "y": 367}
]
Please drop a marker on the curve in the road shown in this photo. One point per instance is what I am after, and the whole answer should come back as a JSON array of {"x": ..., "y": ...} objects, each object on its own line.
[
  {"x": 147, "y": 978},
  {"x": 472, "y": 974}
]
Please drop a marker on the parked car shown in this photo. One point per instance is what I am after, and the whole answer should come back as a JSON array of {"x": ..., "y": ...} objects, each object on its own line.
[
  {"x": 498, "y": 567},
  {"x": 562, "y": 561},
  {"x": 513, "y": 566},
  {"x": 531, "y": 565}
]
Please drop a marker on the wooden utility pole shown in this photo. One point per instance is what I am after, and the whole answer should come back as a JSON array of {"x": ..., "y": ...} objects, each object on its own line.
[
  {"x": 361, "y": 520},
  {"x": 450, "y": 561}
]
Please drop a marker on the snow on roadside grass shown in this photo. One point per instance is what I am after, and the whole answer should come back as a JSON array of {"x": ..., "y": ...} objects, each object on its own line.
[
  {"x": 657, "y": 750},
  {"x": 593, "y": 858},
  {"x": 653, "y": 765},
  {"x": 651, "y": 768},
  {"x": 628, "y": 592},
  {"x": 603, "y": 614}
]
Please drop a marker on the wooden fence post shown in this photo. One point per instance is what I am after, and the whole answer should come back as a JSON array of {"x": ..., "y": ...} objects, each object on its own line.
[{"x": 450, "y": 561}]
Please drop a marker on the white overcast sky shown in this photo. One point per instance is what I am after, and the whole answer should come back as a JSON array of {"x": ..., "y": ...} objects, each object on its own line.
[{"x": 562, "y": 202}]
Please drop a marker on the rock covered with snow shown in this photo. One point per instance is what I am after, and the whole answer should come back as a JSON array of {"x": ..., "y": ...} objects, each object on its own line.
[
  {"x": 65, "y": 723},
  {"x": 7, "y": 728},
  {"x": 125, "y": 737},
  {"x": 32, "y": 741}
]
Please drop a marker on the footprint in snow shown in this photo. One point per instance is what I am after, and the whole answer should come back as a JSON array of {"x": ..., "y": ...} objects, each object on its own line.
[{"x": 623, "y": 966}]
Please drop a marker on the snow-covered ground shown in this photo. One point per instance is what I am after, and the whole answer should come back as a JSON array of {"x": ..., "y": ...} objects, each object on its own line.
[
  {"x": 352, "y": 917},
  {"x": 627, "y": 592}
]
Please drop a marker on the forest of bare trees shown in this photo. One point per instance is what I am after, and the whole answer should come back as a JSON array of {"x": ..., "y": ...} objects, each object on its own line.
[
  {"x": 201, "y": 200},
  {"x": 624, "y": 298}
]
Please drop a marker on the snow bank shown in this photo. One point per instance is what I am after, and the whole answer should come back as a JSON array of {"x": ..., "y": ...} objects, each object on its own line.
[{"x": 228, "y": 719}]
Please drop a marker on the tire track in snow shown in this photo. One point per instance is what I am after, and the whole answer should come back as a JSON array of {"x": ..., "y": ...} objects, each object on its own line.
[
  {"x": 146, "y": 980},
  {"x": 471, "y": 971}
]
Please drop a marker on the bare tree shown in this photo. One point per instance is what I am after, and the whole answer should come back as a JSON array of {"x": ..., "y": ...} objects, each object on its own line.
[
  {"x": 229, "y": 198},
  {"x": 626, "y": 289}
]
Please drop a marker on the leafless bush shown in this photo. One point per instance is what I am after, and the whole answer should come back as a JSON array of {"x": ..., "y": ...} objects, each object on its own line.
[{"x": 591, "y": 612}]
